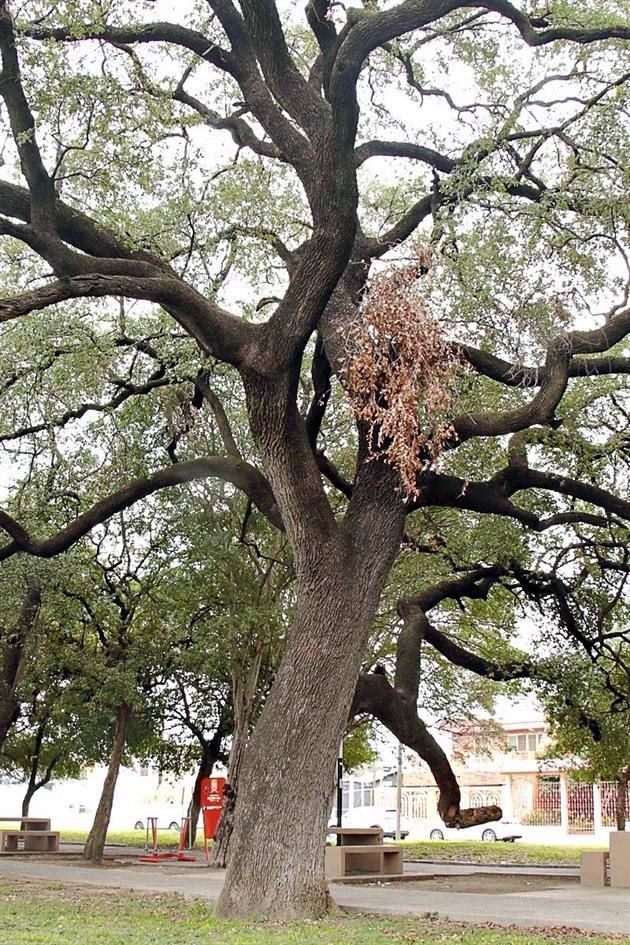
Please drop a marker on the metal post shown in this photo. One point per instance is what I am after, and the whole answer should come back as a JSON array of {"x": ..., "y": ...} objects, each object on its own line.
[
  {"x": 399, "y": 789},
  {"x": 339, "y": 790},
  {"x": 564, "y": 802},
  {"x": 597, "y": 808}
]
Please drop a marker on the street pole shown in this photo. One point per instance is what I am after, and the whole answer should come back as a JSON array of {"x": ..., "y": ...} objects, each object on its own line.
[
  {"x": 399, "y": 789},
  {"x": 339, "y": 790}
]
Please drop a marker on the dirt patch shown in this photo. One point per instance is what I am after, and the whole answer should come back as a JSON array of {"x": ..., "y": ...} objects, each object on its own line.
[
  {"x": 16, "y": 888},
  {"x": 74, "y": 859},
  {"x": 490, "y": 883}
]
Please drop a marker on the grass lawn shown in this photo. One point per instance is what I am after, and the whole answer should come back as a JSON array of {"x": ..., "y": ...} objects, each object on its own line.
[
  {"x": 52, "y": 914},
  {"x": 471, "y": 851}
]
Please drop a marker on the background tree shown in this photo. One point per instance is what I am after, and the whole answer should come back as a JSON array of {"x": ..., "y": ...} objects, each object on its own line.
[
  {"x": 601, "y": 751},
  {"x": 14, "y": 638},
  {"x": 515, "y": 197}
]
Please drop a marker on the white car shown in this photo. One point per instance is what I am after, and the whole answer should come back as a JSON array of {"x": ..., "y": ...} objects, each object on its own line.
[
  {"x": 374, "y": 817},
  {"x": 504, "y": 829}
]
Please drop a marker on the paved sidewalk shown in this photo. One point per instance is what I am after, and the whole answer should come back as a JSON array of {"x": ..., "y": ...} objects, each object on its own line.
[
  {"x": 465, "y": 869},
  {"x": 598, "y": 910}
]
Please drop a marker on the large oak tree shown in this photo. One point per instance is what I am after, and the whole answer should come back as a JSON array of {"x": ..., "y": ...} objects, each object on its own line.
[{"x": 512, "y": 188}]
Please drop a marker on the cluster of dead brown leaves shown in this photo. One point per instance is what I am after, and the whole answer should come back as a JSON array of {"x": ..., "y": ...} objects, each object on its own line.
[{"x": 400, "y": 372}]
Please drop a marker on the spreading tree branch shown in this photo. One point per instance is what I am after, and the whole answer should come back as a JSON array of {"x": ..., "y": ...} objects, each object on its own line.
[{"x": 240, "y": 473}]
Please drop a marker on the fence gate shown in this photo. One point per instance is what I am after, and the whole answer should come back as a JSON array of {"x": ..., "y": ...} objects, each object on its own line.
[{"x": 547, "y": 809}]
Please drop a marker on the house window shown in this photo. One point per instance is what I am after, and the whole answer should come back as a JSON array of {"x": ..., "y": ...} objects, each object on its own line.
[
  {"x": 524, "y": 743},
  {"x": 362, "y": 794}
]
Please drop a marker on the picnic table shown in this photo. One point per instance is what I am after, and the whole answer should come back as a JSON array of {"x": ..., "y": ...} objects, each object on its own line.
[{"x": 32, "y": 835}]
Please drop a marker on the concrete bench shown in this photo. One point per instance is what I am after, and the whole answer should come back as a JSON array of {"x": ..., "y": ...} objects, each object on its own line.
[
  {"x": 620, "y": 859},
  {"x": 377, "y": 858},
  {"x": 594, "y": 867},
  {"x": 41, "y": 841}
]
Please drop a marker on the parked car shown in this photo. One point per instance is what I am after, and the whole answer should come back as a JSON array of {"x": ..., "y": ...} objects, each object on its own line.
[
  {"x": 506, "y": 830},
  {"x": 374, "y": 817}
]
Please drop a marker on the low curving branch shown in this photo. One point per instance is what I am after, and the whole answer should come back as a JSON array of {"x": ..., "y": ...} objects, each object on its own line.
[
  {"x": 240, "y": 473},
  {"x": 375, "y": 696}
]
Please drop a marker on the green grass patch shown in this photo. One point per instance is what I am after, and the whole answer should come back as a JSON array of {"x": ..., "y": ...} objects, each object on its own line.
[
  {"x": 516, "y": 854},
  {"x": 38, "y": 914}
]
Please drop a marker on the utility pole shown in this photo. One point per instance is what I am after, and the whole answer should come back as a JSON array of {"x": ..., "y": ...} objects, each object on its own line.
[
  {"x": 339, "y": 790},
  {"x": 399, "y": 789}
]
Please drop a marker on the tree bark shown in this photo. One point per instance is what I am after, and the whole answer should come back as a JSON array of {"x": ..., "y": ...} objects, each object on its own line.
[
  {"x": 95, "y": 843},
  {"x": 26, "y": 800},
  {"x": 276, "y": 862},
  {"x": 221, "y": 846},
  {"x": 622, "y": 799}
]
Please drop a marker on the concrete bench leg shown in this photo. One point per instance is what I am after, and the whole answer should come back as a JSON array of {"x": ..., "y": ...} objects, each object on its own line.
[
  {"x": 393, "y": 862},
  {"x": 620, "y": 859},
  {"x": 593, "y": 868}
]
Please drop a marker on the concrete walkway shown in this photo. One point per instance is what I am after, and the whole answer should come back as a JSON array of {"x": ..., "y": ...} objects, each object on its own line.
[{"x": 598, "y": 910}]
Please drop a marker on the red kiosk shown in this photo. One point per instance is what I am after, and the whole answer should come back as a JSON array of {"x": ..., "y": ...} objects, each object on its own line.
[{"x": 212, "y": 798}]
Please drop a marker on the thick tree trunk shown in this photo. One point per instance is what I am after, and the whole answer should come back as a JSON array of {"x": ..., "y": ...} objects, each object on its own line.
[
  {"x": 95, "y": 843},
  {"x": 9, "y": 711},
  {"x": 276, "y": 860},
  {"x": 621, "y": 806}
]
